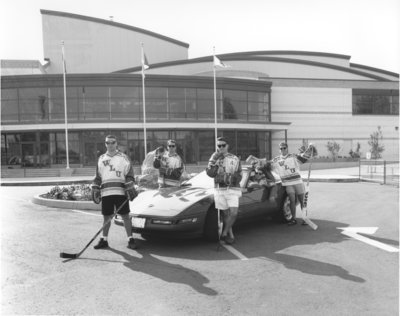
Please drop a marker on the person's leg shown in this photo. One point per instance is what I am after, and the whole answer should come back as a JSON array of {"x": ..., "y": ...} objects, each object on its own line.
[
  {"x": 107, "y": 207},
  {"x": 225, "y": 217},
  {"x": 231, "y": 220},
  {"x": 127, "y": 224}
]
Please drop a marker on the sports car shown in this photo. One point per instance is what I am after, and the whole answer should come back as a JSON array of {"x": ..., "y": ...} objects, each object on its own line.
[{"x": 189, "y": 210}]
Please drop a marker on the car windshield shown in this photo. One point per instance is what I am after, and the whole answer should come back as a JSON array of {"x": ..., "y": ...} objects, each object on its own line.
[{"x": 204, "y": 181}]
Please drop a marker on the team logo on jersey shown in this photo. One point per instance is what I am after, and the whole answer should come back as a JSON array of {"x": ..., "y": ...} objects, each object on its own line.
[{"x": 107, "y": 163}]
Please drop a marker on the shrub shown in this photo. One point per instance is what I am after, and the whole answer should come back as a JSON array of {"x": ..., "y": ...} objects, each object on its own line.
[{"x": 333, "y": 148}]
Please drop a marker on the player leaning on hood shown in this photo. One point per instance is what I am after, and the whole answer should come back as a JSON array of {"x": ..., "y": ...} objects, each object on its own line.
[
  {"x": 169, "y": 164},
  {"x": 113, "y": 184},
  {"x": 226, "y": 170},
  {"x": 287, "y": 166}
]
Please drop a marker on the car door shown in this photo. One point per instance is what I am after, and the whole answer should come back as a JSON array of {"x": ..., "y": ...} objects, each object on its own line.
[{"x": 255, "y": 200}]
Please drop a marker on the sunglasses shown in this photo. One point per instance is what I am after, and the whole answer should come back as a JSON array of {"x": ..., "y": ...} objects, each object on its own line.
[
  {"x": 171, "y": 146},
  {"x": 110, "y": 143},
  {"x": 282, "y": 148},
  {"x": 221, "y": 146}
]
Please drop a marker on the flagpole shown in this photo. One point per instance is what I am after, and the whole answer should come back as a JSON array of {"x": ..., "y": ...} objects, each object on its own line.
[
  {"x": 144, "y": 106},
  {"x": 65, "y": 105},
  {"x": 215, "y": 100}
]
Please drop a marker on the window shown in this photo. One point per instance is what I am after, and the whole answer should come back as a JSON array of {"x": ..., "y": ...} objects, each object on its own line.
[
  {"x": 9, "y": 105},
  {"x": 125, "y": 103},
  {"x": 34, "y": 104},
  {"x": 375, "y": 102}
]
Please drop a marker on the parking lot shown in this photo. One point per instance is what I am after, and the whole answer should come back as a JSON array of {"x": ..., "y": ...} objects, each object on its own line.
[{"x": 272, "y": 269}]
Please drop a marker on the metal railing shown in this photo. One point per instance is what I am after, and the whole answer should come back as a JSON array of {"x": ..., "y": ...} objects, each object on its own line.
[{"x": 380, "y": 171}]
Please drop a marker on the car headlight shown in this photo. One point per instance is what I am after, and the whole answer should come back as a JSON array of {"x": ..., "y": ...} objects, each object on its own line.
[
  {"x": 188, "y": 220},
  {"x": 161, "y": 222}
]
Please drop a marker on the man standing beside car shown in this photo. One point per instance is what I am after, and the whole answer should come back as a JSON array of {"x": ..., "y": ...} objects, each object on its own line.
[
  {"x": 113, "y": 184},
  {"x": 226, "y": 170},
  {"x": 169, "y": 164},
  {"x": 287, "y": 166}
]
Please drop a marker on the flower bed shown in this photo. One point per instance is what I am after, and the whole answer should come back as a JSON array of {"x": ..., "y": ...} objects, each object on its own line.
[{"x": 75, "y": 192}]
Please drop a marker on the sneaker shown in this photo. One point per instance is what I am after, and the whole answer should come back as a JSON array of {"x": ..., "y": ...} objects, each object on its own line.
[
  {"x": 132, "y": 244},
  {"x": 229, "y": 240},
  {"x": 101, "y": 244},
  {"x": 292, "y": 222}
]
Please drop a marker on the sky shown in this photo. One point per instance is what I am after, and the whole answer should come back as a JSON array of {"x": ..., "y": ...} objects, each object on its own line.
[{"x": 366, "y": 30}]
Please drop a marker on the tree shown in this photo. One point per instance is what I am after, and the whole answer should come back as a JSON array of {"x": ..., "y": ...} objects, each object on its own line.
[
  {"x": 376, "y": 148},
  {"x": 334, "y": 149}
]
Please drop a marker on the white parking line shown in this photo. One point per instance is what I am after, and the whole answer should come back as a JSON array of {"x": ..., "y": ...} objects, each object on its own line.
[
  {"x": 234, "y": 252},
  {"x": 87, "y": 213}
]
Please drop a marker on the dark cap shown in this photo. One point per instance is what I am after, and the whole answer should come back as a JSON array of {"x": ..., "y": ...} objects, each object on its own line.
[{"x": 283, "y": 144}]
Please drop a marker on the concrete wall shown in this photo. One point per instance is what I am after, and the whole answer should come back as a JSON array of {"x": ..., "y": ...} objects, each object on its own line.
[
  {"x": 325, "y": 114},
  {"x": 92, "y": 47}
]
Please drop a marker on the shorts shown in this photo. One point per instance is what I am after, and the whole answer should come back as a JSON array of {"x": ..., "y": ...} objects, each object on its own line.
[
  {"x": 111, "y": 202},
  {"x": 295, "y": 189},
  {"x": 226, "y": 198}
]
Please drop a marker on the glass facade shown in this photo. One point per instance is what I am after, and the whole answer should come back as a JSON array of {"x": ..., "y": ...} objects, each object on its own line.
[
  {"x": 124, "y": 103},
  {"x": 375, "y": 102},
  {"x": 45, "y": 149},
  {"x": 109, "y": 98}
]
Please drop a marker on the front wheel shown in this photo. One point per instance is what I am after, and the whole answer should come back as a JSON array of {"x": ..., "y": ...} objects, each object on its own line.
[{"x": 211, "y": 228}]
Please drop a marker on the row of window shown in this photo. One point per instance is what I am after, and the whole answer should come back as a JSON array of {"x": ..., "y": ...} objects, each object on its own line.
[
  {"x": 126, "y": 103},
  {"x": 41, "y": 149},
  {"x": 375, "y": 102}
]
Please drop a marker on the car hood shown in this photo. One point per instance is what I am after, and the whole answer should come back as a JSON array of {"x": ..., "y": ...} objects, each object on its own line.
[{"x": 167, "y": 201}]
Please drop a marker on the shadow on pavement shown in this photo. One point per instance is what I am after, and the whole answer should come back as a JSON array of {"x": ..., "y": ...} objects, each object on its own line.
[
  {"x": 264, "y": 240},
  {"x": 168, "y": 272}
]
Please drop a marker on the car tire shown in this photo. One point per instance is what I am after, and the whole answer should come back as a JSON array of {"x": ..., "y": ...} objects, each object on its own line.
[{"x": 210, "y": 231}]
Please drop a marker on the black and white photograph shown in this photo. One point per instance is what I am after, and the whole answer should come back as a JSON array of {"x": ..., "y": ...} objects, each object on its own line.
[{"x": 215, "y": 157}]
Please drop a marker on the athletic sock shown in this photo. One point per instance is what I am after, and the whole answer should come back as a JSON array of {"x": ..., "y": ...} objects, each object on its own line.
[{"x": 104, "y": 237}]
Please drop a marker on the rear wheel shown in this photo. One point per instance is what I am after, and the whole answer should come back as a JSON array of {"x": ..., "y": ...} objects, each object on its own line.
[{"x": 211, "y": 225}]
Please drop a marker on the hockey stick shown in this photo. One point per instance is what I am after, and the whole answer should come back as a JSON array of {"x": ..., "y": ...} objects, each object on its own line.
[
  {"x": 76, "y": 255},
  {"x": 304, "y": 209}
]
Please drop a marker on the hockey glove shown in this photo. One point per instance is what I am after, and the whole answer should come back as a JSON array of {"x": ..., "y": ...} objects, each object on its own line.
[{"x": 96, "y": 194}]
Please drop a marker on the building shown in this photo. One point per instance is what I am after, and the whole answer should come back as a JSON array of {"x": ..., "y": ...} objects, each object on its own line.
[{"x": 262, "y": 98}]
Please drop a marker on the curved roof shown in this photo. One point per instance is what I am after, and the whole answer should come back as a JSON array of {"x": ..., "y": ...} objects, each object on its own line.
[
  {"x": 255, "y": 56},
  {"x": 115, "y": 24}
]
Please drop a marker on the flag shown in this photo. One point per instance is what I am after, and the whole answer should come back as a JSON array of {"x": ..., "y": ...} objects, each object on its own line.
[
  {"x": 145, "y": 62},
  {"x": 63, "y": 58},
  {"x": 219, "y": 63}
]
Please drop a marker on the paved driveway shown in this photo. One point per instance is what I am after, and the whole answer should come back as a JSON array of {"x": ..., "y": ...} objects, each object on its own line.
[{"x": 271, "y": 270}]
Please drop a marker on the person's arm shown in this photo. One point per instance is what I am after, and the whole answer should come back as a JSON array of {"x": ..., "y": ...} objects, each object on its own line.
[
  {"x": 212, "y": 167},
  {"x": 96, "y": 184}
]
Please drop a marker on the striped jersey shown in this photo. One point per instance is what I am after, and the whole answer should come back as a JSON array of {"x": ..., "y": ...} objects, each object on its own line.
[
  {"x": 112, "y": 173},
  {"x": 169, "y": 162},
  {"x": 228, "y": 165},
  {"x": 288, "y": 168}
]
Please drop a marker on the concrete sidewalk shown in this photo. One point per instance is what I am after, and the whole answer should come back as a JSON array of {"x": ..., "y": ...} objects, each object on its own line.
[{"x": 326, "y": 175}]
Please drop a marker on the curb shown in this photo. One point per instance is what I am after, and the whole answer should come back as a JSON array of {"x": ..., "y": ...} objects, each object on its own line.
[
  {"x": 76, "y": 205},
  {"x": 43, "y": 183}
]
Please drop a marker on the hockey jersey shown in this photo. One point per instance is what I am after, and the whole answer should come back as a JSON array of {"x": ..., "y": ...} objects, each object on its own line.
[
  {"x": 288, "y": 168},
  {"x": 170, "y": 169},
  {"x": 113, "y": 172},
  {"x": 228, "y": 171}
]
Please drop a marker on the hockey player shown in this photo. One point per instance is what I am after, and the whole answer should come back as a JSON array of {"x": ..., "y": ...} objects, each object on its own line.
[
  {"x": 169, "y": 164},
  {"x": 112, "y": 185},
  {"x": 226, "y": 170},
  {"x": 287, "y": 166}
]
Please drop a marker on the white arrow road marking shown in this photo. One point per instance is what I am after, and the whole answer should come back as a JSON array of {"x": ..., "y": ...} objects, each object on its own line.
[{"x": 353, "y": 232}]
